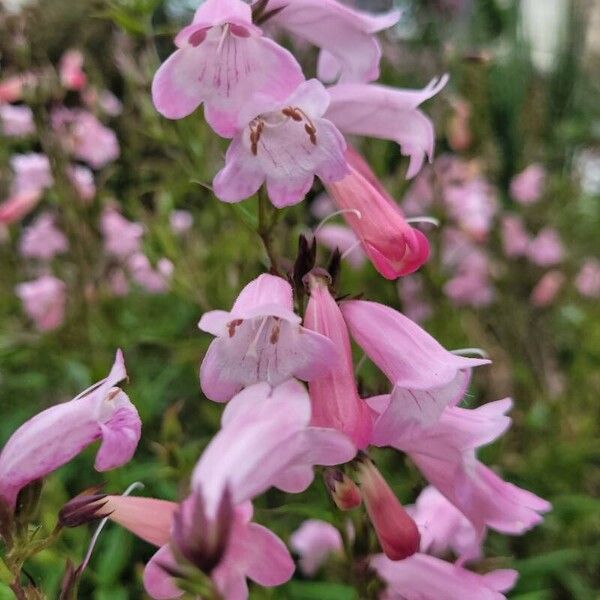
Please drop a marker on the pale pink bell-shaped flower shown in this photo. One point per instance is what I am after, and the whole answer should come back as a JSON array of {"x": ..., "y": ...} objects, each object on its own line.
[
  {"x": 122, "y": 238},
  {"x": 423, "y": 577},
  {"x": 334, "y": 396},
  {"x": 314, "y": 541},
  {"x": 546, "y": 249},
  {"x": 16, "y": 120},
  {"x": 58, "y": 434},
  {"x": 587, "y": 281},
  {"x": 223, "y": 61},
  {"x": 339, "y": 237},
  {"x": 393, "y": 246},
  {"x": 443, "y": 527},
  {"x": 515, "y": 238},
  {"x": 389, "y": 114},
  {"x": 42, "y": 239},
  {"x": 426, "y": 377},
  {"x": 547, "y": 288},
  {"x": 44, "y": 301},
  {"x": 283, "y": 144},
  {"x": 85, "y": 137},
  {"x": 350, "y": 50},
  {"x": 260, "y": 339},
  {"x": 70, "y": 70},
  {"x": 527, "y": 186}
]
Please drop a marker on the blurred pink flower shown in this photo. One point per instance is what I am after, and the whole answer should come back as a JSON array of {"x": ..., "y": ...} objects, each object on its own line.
[
  {"x": 44, "y": 301},
  {"x": 546, "y": 249},
  {"x": 350, "y": 50},
  {"x": 426, "y": 377},
  {"x": 334, "y": 396},
  {"x": 342, "y": 238},
  {"x": 389, "y": 114},
  {"x": 284, "y": 144},
  {"x": 70, "y": 70},
  {"x": 82, "y": 180},
  {"x": 85, "y": 137},
  {"x": 31, "y": 173},
  {"x": 155, "y": 280},
  {"x": 471, "y": 285},
  {"x": 414, "y": 304},
  {"x": 419, "y": 197},
  {"x": 587, "y": 281},
  {"x": 118, "y": 283},
  {"x": 393, "y": 246},
  {"x": 181, "y": 221},
  {"x": 547, "y": 288},
  {"x": 104, "y": 100},
  {"x": 42, "y": 239},
  {"x": 515, "y": 238},
  {"x": 16, "y": 120},
  {"x": 322, "y": 206},
  {"x": 314, "y": 541},
  {"x": 527, "y": 186},
  {"x": 122, "y": 238},
  {"x": 423, "y": 577},
  {"x": 260, "y": 339},
  {"x": 206, "y": 67},
  {"x": 56, "y": 435}
]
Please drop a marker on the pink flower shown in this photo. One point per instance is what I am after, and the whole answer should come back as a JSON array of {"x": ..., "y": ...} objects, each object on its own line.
[
  {"x": 392, "y": 245},
  {"x": 42, "y": 239},
  {"x": 104, "y": 100},
  {"x": 414, "y": 304},
  {"x": 527, "y": 186},
  {"x": 223, "y": 61},
  {"x": 155, "y": 280},
  {"x": 587, "y": 281},
  {"x": 122, "y": 238},
  {"x": 44, "y": 301},
  {"x": 546, "y": 249},
  {"x": 422, "y": 577},
  {"x": 420, "y": 195},
  {"x": 396, "y": 531},
  {"x": 443, "y": 527},
  {"x": 82, "y": 179},
  {"x": 389, "y": 114},
  {"x": 260, "y": 339},
  {"x": 285, "y": 144},
  {"x": 351, "y": 51},
  {"x": 314, "y": 541},
  {"x": 471, "y": 284},
  {"x": 334, "y": 397},
  {"x": 338, "y": 237},
  {"x": 515, "y": 238},
  {"x": 547, "y": 288},
  {"x": 71, "y": 72},
  {"x": 85, "y": 137},
  {"x": 55, "y": 436},
  {"x": 181, "y": 221},
  {"x": 426, "y": 377},
  {"x": 16, "y": 121}
]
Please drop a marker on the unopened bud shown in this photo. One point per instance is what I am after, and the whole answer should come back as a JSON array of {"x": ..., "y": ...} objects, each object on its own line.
[
  {"x": 85, "y": 508},
  {"x": 396, "y": 531},
  {"x": 343, "y": 490},
  {"x": 305, "y": 261}
]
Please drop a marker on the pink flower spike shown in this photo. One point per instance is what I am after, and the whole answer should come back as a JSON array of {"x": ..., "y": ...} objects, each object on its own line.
[
  {"x": 396, "y": 531},
  {"x": 42, "y": 239},
  {"x": 422, "y": 577},
  {"x": 527, "y": 186},
  {"x": 314, "y": 541},
  {"x": 261, "y": 339},
  {"x": 334, "y": 397},
  {"x": 44, "y": 301},
  {"x": 425, "y": 376},
  {"x": 393, "y": 246},
  {"x": 56, "y": 435},
  {"x": 346, "y": 36},
  {"x": 284, "y": 144},
  {"x": 266, "y": 441},
  {"x": 223, "y": 61},
  {"x": 389, "y": 114}
]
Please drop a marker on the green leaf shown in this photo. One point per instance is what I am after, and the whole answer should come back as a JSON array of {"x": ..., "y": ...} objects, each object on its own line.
[{"x": 318, "y": 590}]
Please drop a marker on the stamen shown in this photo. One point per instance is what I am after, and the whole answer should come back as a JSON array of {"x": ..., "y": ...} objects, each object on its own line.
[
  {"x": 351, "y": 249},
  {"x": 223, "y": 36},
  {"x": 466, "y": 351},
  {"x": 252, "y": 347},
  {"x": 335, "y": 214},
  {"x": 430, "y": 220}
]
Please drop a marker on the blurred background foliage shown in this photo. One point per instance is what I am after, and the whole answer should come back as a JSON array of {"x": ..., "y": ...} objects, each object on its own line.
[{"x": 531, "y": 100}]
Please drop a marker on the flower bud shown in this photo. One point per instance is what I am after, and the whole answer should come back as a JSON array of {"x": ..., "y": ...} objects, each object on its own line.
[
  {"x": 84, "y": 508},
  {"x": 396, "y": 531},
  {"x": 343, "y": 490}
]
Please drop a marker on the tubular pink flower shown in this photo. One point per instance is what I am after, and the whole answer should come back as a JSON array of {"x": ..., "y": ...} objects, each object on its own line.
[
  {"x": 425, "y": 376},
  {"x": 260, "y": 339},
  {"x": 346, "y": 36},
  {"x": 42, "y": 239},
  {"x": 223, "y": 61},
  {"x": 55, "y": 436},
  {"x": 547, "y": 288},
  {"x": 334, "y": 397},
  {"x": 527, "y": 186},
  {"x": 422, "y": 577},
  {"x": 122, "y": 238},
  {"x": 515, "y": 238},
  {"x": 44, "y": 301},
  {"x": 392, "y": 245},
  {"x": 284, "y": 143},
  {"x": 314, "y": 541},
  {"x": 389, "y": 114}
]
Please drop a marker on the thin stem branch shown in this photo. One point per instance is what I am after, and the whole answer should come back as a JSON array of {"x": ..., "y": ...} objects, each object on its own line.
[{"x": 266, "y": 222}]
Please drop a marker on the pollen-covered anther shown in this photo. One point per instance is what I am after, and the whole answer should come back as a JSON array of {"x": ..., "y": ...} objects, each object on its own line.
[
  {"x": 274, "y": 334},
  {"x": 231, "y": 326}
]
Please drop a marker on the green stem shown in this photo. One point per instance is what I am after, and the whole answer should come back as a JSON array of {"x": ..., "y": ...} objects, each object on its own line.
[{"x": 267, "y": 219}]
